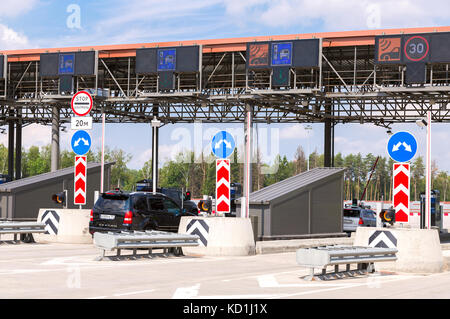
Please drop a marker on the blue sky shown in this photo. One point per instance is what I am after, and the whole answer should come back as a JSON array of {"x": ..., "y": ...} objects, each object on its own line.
[{"x": 43, "y": 24}]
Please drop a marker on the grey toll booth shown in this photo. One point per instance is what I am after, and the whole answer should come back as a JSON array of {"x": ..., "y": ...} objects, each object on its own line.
[
  {"x": 21, "y": 199},
  {"x": 306, "y": 205}
]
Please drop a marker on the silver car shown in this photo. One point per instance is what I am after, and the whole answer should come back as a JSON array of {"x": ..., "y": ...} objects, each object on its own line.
[{"x": 358, "y": 217}]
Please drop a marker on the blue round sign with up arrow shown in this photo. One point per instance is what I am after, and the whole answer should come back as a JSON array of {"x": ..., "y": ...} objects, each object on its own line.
[
  {"x": 223, "y": 144},
  {"x": 81, "y": 142},
  {"x": 402, "y": 146}
]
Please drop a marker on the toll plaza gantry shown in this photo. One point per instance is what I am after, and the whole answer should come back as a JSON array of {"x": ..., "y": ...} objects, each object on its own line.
[{"x": 374, "y": 76}]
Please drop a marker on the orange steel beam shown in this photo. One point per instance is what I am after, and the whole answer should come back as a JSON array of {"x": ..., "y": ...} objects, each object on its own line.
[{"x": 330, "y": 39}]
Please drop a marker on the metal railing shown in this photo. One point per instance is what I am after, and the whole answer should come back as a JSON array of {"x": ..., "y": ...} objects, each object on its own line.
[
  {"x": 148, "y": 240},
  {"x": 322, "y": 257},
  {"x": 21, "y": 228}
]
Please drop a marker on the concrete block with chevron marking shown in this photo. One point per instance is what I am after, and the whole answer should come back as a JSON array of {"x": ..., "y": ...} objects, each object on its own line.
[
  {"x": 64, "y": 226},
  {"x": 219, "y": 236},
  {"x": 419, "y": 250}
]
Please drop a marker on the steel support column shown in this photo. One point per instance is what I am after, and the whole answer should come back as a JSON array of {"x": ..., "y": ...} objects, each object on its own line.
[
  {"x": 55, "y": 139},
  {"x": 11, "y": 146},
  {"x": 248, "y": 129},
  {"x": 155, "y": 147},
  {"x": 327, "y": 151},
  {"x": 18, "y": 146}
]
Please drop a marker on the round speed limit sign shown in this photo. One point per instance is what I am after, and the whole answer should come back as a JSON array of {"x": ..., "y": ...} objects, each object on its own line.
[{"x": 82, "y": 103}]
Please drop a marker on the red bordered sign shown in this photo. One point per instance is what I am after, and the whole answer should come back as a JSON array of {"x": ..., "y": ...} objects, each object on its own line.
[{"x": 81, "y": 103}]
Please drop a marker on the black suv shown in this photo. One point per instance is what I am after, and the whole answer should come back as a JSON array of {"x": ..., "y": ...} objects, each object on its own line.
[{"x": 121, "y": 211}]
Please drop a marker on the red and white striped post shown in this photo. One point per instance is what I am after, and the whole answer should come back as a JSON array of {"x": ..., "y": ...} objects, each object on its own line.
[
  {"x": 223, "y": 199},
  {"x": 401, "y": 192},
  {"x": 80, "y": 180}
]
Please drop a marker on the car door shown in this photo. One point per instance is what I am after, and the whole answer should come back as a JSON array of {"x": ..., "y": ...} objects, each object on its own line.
[
  {"x": 157, "y": 216},
  {"x": 351, "y": 219},
  {"x": 173, "y": 212},
  {"x": 140, "y": 210}
]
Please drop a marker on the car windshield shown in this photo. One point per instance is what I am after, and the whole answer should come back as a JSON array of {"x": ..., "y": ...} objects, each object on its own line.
[
  {"x": 351, "y": 213},
  {"x": 113, "y": 203}
]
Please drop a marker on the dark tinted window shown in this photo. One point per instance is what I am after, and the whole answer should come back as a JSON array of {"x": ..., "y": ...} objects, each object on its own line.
[
  {"x": 156, "y": 204},
  {"x": 171, "y": 206},
  {"x": 140, "y": 203},
  {"x": 351, "y": 213},
  {"x": 112, "y": 203},
  {"x": 369, "y": 214}
]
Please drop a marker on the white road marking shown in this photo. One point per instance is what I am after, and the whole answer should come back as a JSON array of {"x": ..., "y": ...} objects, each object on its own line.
[
  {"x": 269, "y": 281},
  {"x": 398, "y": 278},
  {"x": 186, "y": 292},
  {"x": 134, "y": 292}
]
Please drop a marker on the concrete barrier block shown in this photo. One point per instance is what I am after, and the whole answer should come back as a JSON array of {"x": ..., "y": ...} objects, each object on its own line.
[
  {"x": 69, "y": 226},
  {"x": 419, "y": 250},
  {"x": 219, "y": 236}
]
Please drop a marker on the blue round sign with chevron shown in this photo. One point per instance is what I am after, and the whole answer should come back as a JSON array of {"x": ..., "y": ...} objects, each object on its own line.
[
  {"x": 81, "y": 142},
  {"x": 402, "y": 146},
  {"x": 223, "y": 144}
]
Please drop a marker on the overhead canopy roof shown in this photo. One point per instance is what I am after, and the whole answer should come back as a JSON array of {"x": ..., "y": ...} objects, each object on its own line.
[
  {"x": 293, "y": 183},
  {"x": 330, "y": 39}
]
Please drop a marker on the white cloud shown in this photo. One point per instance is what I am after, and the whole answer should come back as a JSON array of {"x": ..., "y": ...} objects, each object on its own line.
[
  {"x": 10, "y": 39},
  {"x": 295, "y": 131},
  {"x": 12, "y": 8},
  {"x": 339, "y": 14}
]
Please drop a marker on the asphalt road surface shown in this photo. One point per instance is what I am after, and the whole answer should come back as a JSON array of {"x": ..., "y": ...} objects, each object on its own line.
[{"x": 71, "y": 271}]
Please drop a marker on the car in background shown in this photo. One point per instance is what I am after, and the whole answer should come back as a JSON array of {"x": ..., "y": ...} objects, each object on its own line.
[
  {"x": 121, "y": 211},
  {"x": 356, "y": 216},
  {"x": 182, "y": 199}
]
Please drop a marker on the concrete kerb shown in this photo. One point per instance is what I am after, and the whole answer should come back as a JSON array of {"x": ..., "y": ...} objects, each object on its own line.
[
  {"x": 419, "y": 250},
  {"x": 69, "y": 226}
]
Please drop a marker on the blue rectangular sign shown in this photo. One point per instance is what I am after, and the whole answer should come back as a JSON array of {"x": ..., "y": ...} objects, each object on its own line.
[
  {"x": 66, "y": 64},
  {"x": 167, "y": 59},
  {"x": 281, "y": 53}
]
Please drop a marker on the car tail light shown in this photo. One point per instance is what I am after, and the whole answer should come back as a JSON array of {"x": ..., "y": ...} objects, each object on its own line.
[
  {"x": 128, "y": 217},
  {"x": 361, "y": 222},
  {"x": 92, "y": 216}
]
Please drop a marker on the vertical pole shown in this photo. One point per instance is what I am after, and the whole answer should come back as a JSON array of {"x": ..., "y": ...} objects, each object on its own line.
[
  {"x": 102, "y": 172},
  {"x": 428, "y": 174},
  {"x": 154, "y": 158},
  {"x": 55, "y": 139},
  {"x": 11, "y": 146},
  {"x": 19, "y": 146},
  {"x": 248, "y": 158},
  {"x": 327, "y": 135},
  {"x": 155, "y": 146}
]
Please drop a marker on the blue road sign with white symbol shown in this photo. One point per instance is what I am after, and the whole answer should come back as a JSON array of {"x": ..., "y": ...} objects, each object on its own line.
[
  {"x": 66, "y": 63},
  {"x": 282, "y": 53},
  {"x": 167, "y": 59},
  {"x": 223, "y": 144},
  {"x": 402, "y": 146},
  {"x": 81, "y": 142}
]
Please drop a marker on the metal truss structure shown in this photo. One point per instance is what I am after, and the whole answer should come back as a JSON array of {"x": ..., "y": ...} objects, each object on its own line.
[{"x": 347, "y": 87}]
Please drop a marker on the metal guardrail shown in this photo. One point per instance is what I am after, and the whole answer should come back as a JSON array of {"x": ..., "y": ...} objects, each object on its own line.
[
  {"x": 143, "y": 240},
  {"x": 322, "y": 257},
  {"x": 21, "y": 228}
]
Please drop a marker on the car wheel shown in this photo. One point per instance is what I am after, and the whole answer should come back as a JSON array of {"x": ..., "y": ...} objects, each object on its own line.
[
  {"x": 27, "y": 238},
  {"x": 177, "y": 251}
]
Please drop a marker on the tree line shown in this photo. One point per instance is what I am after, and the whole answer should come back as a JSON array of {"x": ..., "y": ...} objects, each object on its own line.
[{"x": 197, "y": 174}]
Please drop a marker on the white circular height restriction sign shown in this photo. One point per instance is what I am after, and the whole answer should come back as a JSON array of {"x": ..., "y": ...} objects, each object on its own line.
[{"x": 81, "y": 103}]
